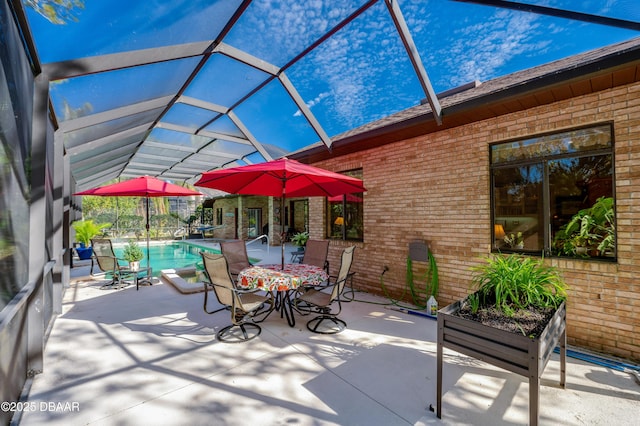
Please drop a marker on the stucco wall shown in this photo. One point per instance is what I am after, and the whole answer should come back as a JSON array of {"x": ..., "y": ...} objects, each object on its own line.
[{"x": 436, "y": 188}]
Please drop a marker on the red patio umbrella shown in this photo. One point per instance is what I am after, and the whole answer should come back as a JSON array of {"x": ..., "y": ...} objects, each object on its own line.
[
  {"x": 282, "y": 178},
  {"x": 144, "y": 186},
  {"x": 350, "y": 199}
]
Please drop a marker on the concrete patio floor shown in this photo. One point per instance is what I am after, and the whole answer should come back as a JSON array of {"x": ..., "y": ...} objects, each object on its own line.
[{"x": 127, "y": 357}]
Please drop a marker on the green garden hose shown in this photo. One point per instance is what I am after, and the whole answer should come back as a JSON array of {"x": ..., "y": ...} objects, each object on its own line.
[{"x": 431, "y": 284}]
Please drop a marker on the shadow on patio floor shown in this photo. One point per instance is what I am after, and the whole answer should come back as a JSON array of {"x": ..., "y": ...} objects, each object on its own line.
[{"x": 132, "y": 357}]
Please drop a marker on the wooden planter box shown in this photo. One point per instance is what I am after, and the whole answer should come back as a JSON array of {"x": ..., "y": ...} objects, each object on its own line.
[{"x": 513, "y": 352}]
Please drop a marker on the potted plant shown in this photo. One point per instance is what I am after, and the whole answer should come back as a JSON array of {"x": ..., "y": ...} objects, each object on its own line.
[
  {"x": 85, "y": 231},
  {"x": 133, "y": 254},
  {"x": 300, "y": 239},
  {"x": 514, "y": 320}
]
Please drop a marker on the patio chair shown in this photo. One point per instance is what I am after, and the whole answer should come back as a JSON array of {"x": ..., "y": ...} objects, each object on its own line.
[
  {"x": 235, "y": 252},
  {"x": 245, "y": 305},
  {"x": 110, "y": 264},
  {"x": 321, "y": 300},
  {"x": 315, "y": 253}
]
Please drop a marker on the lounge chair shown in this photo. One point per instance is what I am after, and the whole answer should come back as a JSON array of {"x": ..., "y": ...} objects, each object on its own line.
[
  {"x": 110, "y": 264},
  {"x": 208, "y": 228},
  {"x": 244, "y": 305},
  {"x": 321, "y": 299}
]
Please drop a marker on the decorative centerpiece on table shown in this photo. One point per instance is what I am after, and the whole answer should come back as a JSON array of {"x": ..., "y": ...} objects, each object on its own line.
[
  {"x": 133, "y": 254},
  {"x": 514, "y": 321}
]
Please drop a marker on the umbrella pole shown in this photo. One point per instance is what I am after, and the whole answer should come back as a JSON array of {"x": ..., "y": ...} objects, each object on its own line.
[
  {"x": 282, "y": 234},
  {"x": 148, "y": 255},
  {"x": 117, "y": 219}
]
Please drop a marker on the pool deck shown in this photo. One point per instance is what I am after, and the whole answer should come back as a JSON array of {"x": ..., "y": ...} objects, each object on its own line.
[
  {"x": 127, "y": 357},
  {"x": 256, "y": 250},
  {"x": 177, "y": 277}
]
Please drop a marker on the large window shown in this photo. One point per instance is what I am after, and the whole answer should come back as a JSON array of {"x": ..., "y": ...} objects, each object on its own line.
[
  {"x": 345, "y": 214},
  {"x": 553, "y": 194}
]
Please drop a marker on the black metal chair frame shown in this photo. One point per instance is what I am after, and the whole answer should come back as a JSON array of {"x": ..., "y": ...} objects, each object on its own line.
[
  {"x": 243, "y": 318},
  {"x": 320, "y": 299},
  {"x": 110, "y": 264}
]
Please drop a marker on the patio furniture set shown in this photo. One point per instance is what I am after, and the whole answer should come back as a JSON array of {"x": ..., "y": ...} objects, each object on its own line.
[
  {"x": 305, "y": 287},
  {"x": 251, "y": 293}
]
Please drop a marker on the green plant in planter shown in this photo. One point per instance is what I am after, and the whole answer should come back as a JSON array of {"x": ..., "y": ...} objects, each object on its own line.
[
  {"x": 300, "y": 239},
  {"x": 474, "y": 302},
  {"x": 133, "y": 252},
  {"x": 519, "y": 318},
  {"x": 515, "y": 282},
  {"x": 87, "y": 229}
]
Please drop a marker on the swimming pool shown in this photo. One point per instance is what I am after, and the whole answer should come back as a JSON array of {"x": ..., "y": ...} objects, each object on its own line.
[{"x": 171, "y": 255}]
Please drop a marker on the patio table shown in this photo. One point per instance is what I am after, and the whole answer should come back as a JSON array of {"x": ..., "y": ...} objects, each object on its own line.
[
  {"x": 139, "y": 276},
  {"x": 282, "y": 280},
  {"x": 142, "y": 275}
]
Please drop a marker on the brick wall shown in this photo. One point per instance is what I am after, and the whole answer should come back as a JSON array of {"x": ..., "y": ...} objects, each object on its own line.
[
  {"x": 436, "y": 188},
  {"x": 229, "y": 206},
  {"x": 242, "y": 203}
]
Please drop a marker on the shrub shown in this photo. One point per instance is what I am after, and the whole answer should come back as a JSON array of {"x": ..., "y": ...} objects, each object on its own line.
[
  {"x": 133, "y": 252},
  {"x": 517, "y": 282},
  {"x": 87, "y": 229}
]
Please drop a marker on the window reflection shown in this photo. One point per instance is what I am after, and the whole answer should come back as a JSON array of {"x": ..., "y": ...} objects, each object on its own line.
[
  {"x": 517, "y": 208},
  {"x": 554, "y": 194},
  {"x": 345, "y": 214},
  {"x": 576, "y": 185}
]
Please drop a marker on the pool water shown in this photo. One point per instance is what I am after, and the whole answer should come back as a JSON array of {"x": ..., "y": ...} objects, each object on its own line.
[
  {"x": 173, "y": 255},
  {"x": 191, "y": 277}
]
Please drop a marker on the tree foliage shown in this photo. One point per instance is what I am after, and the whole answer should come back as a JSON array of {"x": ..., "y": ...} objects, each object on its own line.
[
  {"x": 59, "y": 12},
  {"x": 93, "y": 206}
]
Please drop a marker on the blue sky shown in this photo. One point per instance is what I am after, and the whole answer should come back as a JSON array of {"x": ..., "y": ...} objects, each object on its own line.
[{"x": 359, "y": 75}]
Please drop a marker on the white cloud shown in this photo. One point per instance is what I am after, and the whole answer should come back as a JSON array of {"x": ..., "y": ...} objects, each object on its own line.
[
  {"x": 313, "y": 102},
  {"x": 347, "y": 69},
  {"x": 480, "y": 50},
  {"x": 363, "y": 72}
]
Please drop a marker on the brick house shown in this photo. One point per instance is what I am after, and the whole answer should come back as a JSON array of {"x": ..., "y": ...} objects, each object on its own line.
[{"x": 433, "y": 183}]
